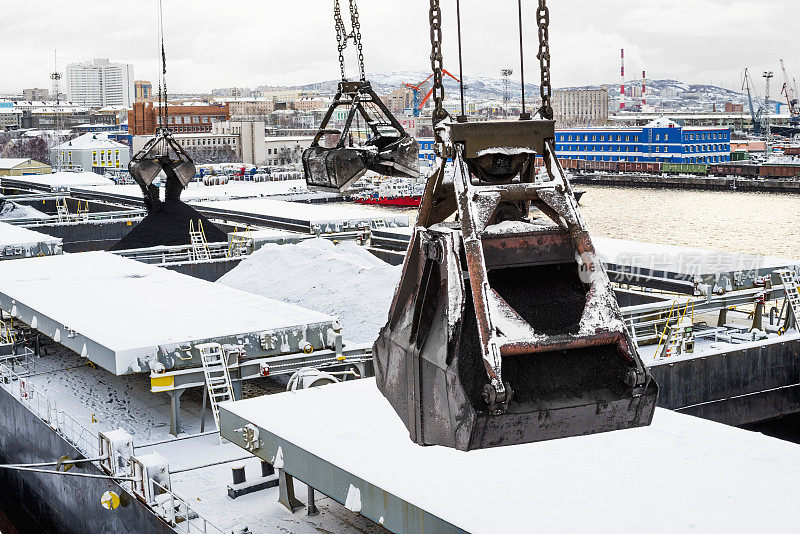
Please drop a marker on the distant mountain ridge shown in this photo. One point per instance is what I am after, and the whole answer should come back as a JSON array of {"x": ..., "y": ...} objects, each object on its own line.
[{"x": 492, "y": 89}]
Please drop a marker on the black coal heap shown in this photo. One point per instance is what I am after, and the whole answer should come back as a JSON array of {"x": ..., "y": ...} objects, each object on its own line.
[{"x": 168, "y": 225}]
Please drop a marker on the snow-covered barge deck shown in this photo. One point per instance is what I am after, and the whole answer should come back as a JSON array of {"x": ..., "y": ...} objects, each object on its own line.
[
  {"x": 713, "y": 476},
  {"x": 17, "y": 242}
]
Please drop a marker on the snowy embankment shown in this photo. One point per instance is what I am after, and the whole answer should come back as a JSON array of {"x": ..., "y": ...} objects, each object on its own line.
[
  {"x": 343, "y": 280},
  {"x": 12, "y": 210}
]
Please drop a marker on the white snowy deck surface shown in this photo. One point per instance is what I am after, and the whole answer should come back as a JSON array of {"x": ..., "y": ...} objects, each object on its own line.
[
  {"x": 679, "y": 474},
  {"x": 314, "y": 213},
  {"x": 130, "y": 308},
  {"x": 680, "y": 259},
  {"x": 100, "y": 401},
  {"x": 235, "y": 189},
  {"x": 11, "y": 235},
  {"x": 64, "y": 179}
]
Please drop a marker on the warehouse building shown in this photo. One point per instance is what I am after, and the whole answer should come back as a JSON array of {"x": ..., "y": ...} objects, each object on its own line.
[
  {"x": 659, "y": 141},
  {"x": 22, "y": 166}
]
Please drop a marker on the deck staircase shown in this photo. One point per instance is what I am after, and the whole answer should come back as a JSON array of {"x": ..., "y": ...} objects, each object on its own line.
[
  {"x": 62, "y": 210},
  {"x": 218, "y": 379},
  {"x": 198, "y": 240},
  {"x": 790, "y": 287},
  {"x": 240, "y": 243}
]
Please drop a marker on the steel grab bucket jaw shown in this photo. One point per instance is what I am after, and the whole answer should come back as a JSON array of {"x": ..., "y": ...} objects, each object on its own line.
[
  {"x": 154, "y": 157},
  {"x": 523, "y": 303},
  {"x": 161, "y": 153},
  {"x": 332, "y": 169}
]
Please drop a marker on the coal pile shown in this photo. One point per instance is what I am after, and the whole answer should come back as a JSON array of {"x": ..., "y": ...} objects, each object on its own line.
[{"x": 168, "y": 225}]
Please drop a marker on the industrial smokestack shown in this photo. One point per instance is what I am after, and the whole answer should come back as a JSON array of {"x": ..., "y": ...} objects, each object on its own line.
[
  {"x": 622, "y": 76},
  {"x": 644, "y": 88}
]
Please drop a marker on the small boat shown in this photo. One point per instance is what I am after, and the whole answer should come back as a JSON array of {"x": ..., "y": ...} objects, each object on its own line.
[{"x": 399, "y": 192}]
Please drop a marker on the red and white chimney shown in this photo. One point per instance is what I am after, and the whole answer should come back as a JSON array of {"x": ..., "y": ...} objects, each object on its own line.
[
  {"x": 644, "y": 88},
  {"x": 622, "y": 76}
]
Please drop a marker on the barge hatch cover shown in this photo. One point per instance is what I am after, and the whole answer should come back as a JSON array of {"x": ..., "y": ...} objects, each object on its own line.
[
  {"x": 679, "y": 473},
  {"x": 125, "y": 315}
]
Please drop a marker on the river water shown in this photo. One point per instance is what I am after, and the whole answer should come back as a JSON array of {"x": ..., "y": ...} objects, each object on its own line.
[{"x": 764, "y": 224}]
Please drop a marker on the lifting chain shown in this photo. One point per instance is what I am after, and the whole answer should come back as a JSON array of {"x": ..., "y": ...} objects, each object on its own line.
[
  {"x": 543, "y": 22},
  {"x": 437, "y": 65},
  {"x": 342, "y": 36}
]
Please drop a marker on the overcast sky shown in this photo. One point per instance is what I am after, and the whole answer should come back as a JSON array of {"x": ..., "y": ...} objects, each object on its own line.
[{"x": 247, "y": 43}]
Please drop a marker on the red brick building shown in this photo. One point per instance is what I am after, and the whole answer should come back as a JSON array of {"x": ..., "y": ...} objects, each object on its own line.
[{"x": 188, "y": 118}]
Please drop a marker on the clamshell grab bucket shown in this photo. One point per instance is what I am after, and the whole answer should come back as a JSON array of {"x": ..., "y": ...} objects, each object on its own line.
[
  {"x": 504, "y": 328},
  {"x": 388, "y": 151},
  {"x": 161, "y": 153}
]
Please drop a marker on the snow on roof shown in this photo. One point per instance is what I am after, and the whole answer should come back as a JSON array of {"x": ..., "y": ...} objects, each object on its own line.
[
  {"x": 10, "y": 163},
  {"x": 662, "y": 122},
  {"x": 91, "y": 140}
]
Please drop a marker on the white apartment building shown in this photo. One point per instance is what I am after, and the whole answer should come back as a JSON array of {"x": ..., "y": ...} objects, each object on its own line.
[
  {"x": 286, "y": 150},
  {"x": 250, "y": 139},
  {"x": 100, "y": 83},
  {"x": 245, "y": 138},
  {"x": 581, "y": 106}
]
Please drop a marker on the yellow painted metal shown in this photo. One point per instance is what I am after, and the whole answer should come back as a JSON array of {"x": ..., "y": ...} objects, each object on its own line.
[
  {"x": 160, "y": 383},
  {"x": 110, "y": 500}
]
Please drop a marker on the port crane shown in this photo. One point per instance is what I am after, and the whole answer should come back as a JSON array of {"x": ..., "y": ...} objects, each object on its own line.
[
  {"x": 789, "y": 89},
  {"x": 504, "y": 328},
  {"x": 756, "y": 116},
  {"x": 417, "y": 104},
  {"x": 388, "y": 149}
]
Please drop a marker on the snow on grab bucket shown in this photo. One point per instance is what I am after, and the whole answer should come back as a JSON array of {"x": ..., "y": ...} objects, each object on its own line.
[{"x": 343, "y": 280}]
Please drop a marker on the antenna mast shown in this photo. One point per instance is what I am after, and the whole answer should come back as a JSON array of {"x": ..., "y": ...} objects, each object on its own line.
[{"x": 55, "y": 79}]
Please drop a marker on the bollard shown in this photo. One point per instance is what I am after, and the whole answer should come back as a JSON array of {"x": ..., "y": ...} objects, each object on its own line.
[{"x": 238, "y": 474}]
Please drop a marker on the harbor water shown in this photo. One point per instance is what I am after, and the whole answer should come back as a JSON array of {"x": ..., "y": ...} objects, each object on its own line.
[
  {"x": 763, "y": 224},
  {"x": 753, "y": 223}
]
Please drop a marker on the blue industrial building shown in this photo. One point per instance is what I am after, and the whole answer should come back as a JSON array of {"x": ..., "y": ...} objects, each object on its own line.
[{"x": 660, "y": 141}]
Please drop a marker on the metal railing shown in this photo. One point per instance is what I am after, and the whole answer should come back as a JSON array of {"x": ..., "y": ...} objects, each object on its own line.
[
  {"x": 176, "y": 511},
  {"x": 47, "y": 411},
  {"x": 79, "y": 218},
  {"x": 182, "y": 517},
  {"x": 176, "y": 254}
]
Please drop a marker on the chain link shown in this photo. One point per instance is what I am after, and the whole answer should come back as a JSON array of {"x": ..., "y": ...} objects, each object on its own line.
[
  {"x": 357, "y": 38},
  {"x": 543, "y": 22},
  {"x": 437, "y": 65},
  {"x": 342, "y": 37}
]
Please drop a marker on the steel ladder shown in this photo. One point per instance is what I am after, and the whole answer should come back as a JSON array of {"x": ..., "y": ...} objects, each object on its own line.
[
  {"x": 198, "y": 240},
  {"x": 218, "y": 379},
  {"x": 789, "y": 280}
]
